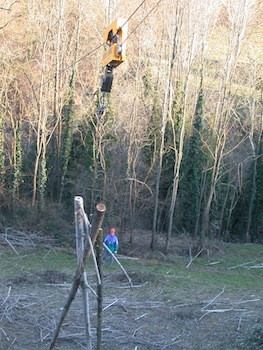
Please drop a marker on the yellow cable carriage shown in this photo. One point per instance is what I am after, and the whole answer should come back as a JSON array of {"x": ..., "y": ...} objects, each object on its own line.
[{"x": 115, "y": 36}]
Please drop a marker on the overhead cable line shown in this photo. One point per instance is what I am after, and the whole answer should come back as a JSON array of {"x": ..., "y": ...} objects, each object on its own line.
[
  {"x": 144, "y": 18},
  {"x": 99, "y": 46},
  {"x": 67, "y": 67},
  {"x": 81, "y": 58},
  {"x": 135, "y": 11}
]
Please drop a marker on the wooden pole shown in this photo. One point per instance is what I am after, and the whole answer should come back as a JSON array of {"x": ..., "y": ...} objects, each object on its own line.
[
  {"x": 99, "y": 251},
  {"x": 97, "y": 220},
  {"x": 85, "y": 296},
  {"x": 80, "y": 234},
  {"x": 79, "y": 227},
  {"x": 117, "y": 261}
]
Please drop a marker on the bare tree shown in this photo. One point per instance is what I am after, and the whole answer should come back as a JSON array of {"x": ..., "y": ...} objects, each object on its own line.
[
  {"x": 238, "y": 14},
  {"x": 196, "y": 17}
]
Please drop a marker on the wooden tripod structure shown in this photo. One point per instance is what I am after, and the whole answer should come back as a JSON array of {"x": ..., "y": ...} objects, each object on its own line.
[{"x": 84, "y": 246}]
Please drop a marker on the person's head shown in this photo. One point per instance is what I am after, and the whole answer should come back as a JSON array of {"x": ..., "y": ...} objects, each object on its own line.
[{"x": 112, "y": 231}]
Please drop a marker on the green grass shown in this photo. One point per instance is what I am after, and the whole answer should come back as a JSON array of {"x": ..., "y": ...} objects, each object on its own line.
[
  {"x": 227, "y": 270},
  {"x": 30, "y": 261}
]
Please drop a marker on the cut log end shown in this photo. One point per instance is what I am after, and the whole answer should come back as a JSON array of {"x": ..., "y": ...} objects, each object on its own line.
[
  {"x": 78, "y": 198},
  {"x": 101, "y": 207}
]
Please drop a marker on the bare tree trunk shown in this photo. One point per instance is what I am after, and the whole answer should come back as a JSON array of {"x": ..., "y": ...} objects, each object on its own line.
[
  {"x": 202, "y": 193},
  {"x": 57, "y": 113},
  {"x": 40, "y": 132},
  {"x": 66, "y": 135},
  {"x": 238, "y": 15},
  {"x": 42, "y": 118},
  {"x": 224, "y": 206},
  {"x": 158, "y": 177},
  {"x": 161, "y": 151}
]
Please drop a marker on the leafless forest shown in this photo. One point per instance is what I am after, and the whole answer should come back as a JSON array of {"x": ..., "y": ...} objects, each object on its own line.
[{"x": 180, "y": 149}]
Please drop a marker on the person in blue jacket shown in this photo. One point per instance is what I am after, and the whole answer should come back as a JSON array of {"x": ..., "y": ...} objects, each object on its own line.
[{"x": 112, "y": 243}]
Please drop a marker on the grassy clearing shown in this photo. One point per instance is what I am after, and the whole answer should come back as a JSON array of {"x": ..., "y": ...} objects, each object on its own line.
[
  {"x": 31, "y": 261},
  {"x": 238, "y": 267}
]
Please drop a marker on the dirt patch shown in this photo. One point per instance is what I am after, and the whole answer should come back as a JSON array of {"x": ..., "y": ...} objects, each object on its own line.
[
  {"x": 137, "y": 277},
  {"x": 133, "y": 318},
  {"x": 49, "y": 276}
]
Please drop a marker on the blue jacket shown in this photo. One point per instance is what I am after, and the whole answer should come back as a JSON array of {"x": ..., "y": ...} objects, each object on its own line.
[{"x": 112, "y": 243}]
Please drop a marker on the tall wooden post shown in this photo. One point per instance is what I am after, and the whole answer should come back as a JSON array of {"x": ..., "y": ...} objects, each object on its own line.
[
  {"x": 80, "y": 234},
  {"x": 99, "y": 250},
  {"x": 79, "y": 227}
]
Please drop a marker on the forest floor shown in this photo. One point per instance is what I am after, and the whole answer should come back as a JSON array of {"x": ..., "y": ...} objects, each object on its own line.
[{"x": 210, "y": 302}]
